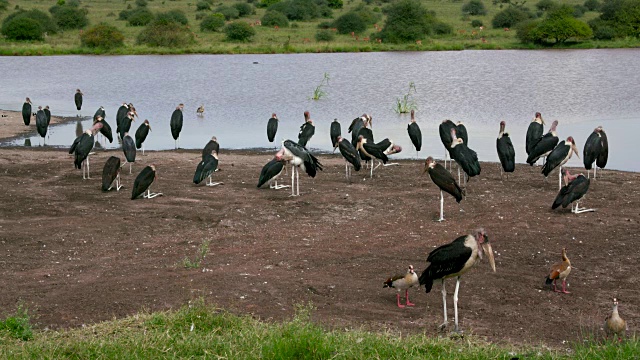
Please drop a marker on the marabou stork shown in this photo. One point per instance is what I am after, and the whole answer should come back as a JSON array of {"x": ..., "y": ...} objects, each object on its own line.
[
  {"x": 111, "y": 172},
  {"x": 558, "y": 157},
  {"x": 78, "y": 100},
  {"x": 143, "y": 183},
  {"x": 444, "y": 180},
  {"x": 596, "y": 149},
  {"x": 455, "y": 259},
  {"x": 105, "y": 130},
  {"x": 82, "y": 147},
  {"x": 211, "y": 148},
  {"x": 26, "y": 112},
  {"x": 614, "y": 324},
  {"x": 270, "y": 173},
  {"x": 272, "y": 127},
  {"x": 129, "y": 149},
  {"x": 560, "y": 271},
  {"x": 445, "y": 136},
  {"x": 576, "y": 187},
  {"x": 403, "y": 282},
  {"x": 176, "y": 123},
  {"x": 299, "y": 157},
  {"x": 205, "y": 169},
  {"x": 335, "y": 131},
  {"x": 123, "y": 110},
  {"x": 200, "y": 110},
  {"x": 125, "y": 124},
  {"x": 466, "y": 158},
  {"x": 100, "y": 112},
  {"x": 415, "y": 134},
  {"x": 367, "y": 133},
  {"x": 545, "y": 145},
  {"x": 534, "y": 132},
  {"x": 354, "y": 128},
  {"x": 351, "y": 156},
  {"x": 506, "y": 153},
  {"x": 461, "y": 132},
  {"x": 141, "y": 134},
  {"x": 47, "y": 112},
  {"x": 41, "y": 123},
  {"x": 306, "y": 130},
  {"x": 378, "y": 151}
]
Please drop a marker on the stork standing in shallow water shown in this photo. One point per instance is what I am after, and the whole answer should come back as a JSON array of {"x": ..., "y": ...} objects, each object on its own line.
[
  {"x": 176, "y": 124},
  {"x": 444, "y": 180},
  {"x": 41, "y": 124},
  {"x": 596, "y": 149},
  {"x": 403, "y": 282},
  {"x": 558, "y": 157},
  {"x": 506, "y": 153},
  {"x": 78, "y": 100},
  {"x": 415, "y": 134},
  {"x": 299, "y": 157},
  {"x": 272, "y": 127},
  {"x": 306, "y": 130},
  {"x": 453, "y": 260}
]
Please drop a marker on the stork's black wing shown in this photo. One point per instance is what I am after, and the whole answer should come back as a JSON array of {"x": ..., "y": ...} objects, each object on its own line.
[
  {"x": 350, "y": 154},
  {"x": 591, "y": 149},
  {"x": 534, "y": 133},
  {"x": 41, "y": 123},
  {"x": 269, "y": 171},
  {"x": 110, "y": 172},
  {"x": 601, "y": 161},
  {"x": 106, "y": 130},
  {"x": 82, "y": 149},
  {"x": 445, "y": 133},
  {"x": 205, "y": 168},
  {"x": 272, "y": 128},
  {"x": 125, "y": 126},
  {"x": 47, "y": 112},
  {"x": 445, "y": 260},
  {"x": 129, "y": 148},
  {"x": 466, "y": 158},
  {"x": 415, "y": 135},
  {"x": 546, "y": 144},
  {"x": 571, "y": 192},
  {"x": 377, "y": 151},
  {"x": 75, "y": 143},
  {"x": 506, "y": 153},
  {"x": 311, "y": 163},
  {"x": 354, "y": 129},
  {"x": 99, "y": 112},
  {"x": 461, "y": 132},
  {"x": 334, "y": 132},
  {"x": 554, "y": 159},
  {"x": 78, "y": 100},
  {"x": 306, "y": 132},
  {"x": 121, "y": 114},
  {"x": 26, "y": 113},
  {"x": 143, "y": 181},
  {"x": 176, "y": 123},
  {"x": 445, "y": 181},
  {"x": 141, "y": 134},
  {"x": 211, "y": 147}
]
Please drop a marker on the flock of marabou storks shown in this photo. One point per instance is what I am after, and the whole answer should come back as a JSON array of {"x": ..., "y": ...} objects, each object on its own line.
[{"x": 450, "y": 260}]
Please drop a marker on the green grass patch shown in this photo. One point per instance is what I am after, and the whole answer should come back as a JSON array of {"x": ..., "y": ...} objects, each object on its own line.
[
  {"x": 195, "y": 262},
  {"x": 17, "y": 326}
]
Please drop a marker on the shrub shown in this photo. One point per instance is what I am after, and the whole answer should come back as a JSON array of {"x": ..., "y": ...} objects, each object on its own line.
[
  {"x": 369, "y": 16},
  {"x": 45, "y": 21},
  {"x": 334, "y": 4},
  {"x": 560, "y": 26},
  {"x": 69, "y": 17},
  {"x": 325, "y": 35},
  {"x": 509, "y": 17},
  {"x": 22, "y": 28},
  {"x": 244, "y": 9},
  {"x": 229, "y": 12},
  {"x": 239, "y": 31},
  {"x": 604, "y": 33},
  {"x": 442, "y": 28},
  {"x": 267, "y": 3},
  {"x": 476, "y": 23},
  {"x": 274, "y": 18},
  {"x": 102, "y": 36},
  {"x": 592, "y": 5},
  {"x": 297, "y": 10},
  {"x": 350, "y": 22},
  {"x": 173, "y": 15},
  {"x": 621, "y": 15},
  {"x": 4, "y": 5},
  {"x": 202, "y": 6},
  {"x": 544, "y": 5},
  {"x": 213, "y": 22},
  {"x": 167, "y": 34},
  {"x": 140, "y": 17},
  {"x": 474, "y": 7},
  {"x": 525, "y": 31},
  {"x": 325, "y": 25},
  {"x": 141, "y": 3},
  {"x": 407, "y": 21},
  {"x": 579, "y": 10}
]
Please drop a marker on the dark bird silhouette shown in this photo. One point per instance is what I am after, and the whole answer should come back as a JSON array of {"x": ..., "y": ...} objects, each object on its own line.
[
  {"x": 445, "y": 136},
  {"x": 560, "y": 271},
  {"x": 143, "y": 183},
  {"x": 141, "y": 134},
  {"x": 351, "y": 156},
  {"x": 453, "y": 260},
  {"x": 26, "y": 112},
  {"x": 378, "y": 151},
  {"x": 271, "y": 172},
  {"x": 443, "y": 180},
  {"x": 545, "y": 145},
  {"x": 105, "y": 130},
  {"x": 100, "y": 112},
  {"x": 299, "y": 157},
  {"x": 205, "y": 169},
  {"x": 335, "y": 131},
  {"x": 176, "y": 123},
  {"x": 82, "y": 147},
  {"x": 466, "y": 158},
  {"x": 212, "y": 148},
  {"x": 356, "y": 125},
  {"x": 366, "y": 132},
  {"x": 129, "y": 149},
  {"x": 125, "y": 124},
  {"x": 111, "y": 172},
  {"x": 47, "y": 112},
  {"x": 306, "y": 130},
  {"x": 558, "y": 157},
  {"x": 415, "y": 134},
  {"x": 122, "y": 112},
  {"x": 574, "y": 190},
  {"x": 403, "y": 282},
  {"x": 41, "y": 123},
  {"x": 272, "y": 127},
  {"x": 534, "y": 132},
  {"x": 78, "y": 99},
  {"x": 596, "y": 149},
  {"x": 506, "y": 153},
  {"x": 461, "y": 132}
]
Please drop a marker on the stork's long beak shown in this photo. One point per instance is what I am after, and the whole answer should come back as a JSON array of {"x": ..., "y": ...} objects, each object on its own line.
[
  {"x": 426, "y": 168},
  {"x": 489, "y": 251},
  {"x": 575, "y": 150}
]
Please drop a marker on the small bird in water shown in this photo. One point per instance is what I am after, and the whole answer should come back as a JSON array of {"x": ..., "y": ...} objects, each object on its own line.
[
  {"x": 200, "y": 110},
  {"x": 614, "y": 324},
  {"x": 403, "y": 282},
  {"x": 560, "y": 271}
]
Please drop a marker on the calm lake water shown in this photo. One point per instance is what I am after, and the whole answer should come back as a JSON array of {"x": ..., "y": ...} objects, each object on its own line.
[{"x": 580, "y": 88}]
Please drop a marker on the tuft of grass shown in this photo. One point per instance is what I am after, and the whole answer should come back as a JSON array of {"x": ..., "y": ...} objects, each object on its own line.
[
  {"x": 319, "y": 92},
  {"x": 17, "y": 326},
  {"x": 407, "y": 102},
  {"x": 200, "y": 255}
]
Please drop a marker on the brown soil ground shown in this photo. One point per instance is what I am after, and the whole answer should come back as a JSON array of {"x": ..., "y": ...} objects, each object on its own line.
[
  {"x": 75, "y": 255},
  {"x": 12, "y": 125}
]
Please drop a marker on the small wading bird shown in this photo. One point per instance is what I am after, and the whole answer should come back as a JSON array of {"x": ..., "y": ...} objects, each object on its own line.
[
  {"x": 443, "y": 179},
  {"x": 576, "y": 187},
  {"x": 351, "y": 156},
  {"x": 82, "y": 147},
  {"x": 141, "y": 134},
  {"x": 534, "y": 133},
  {"x": 335, "y": 131},
  {"x": 176, "y": 124},
  {"x": 453, "y": 260},
  {"x": 200, "y": 110},
  {"x": 415, "y": 134},
  {"x": 211, "y": 148},
  {"x": 205, "y": 169},
  {"x": 299, "y": 157},
  {"x": 596, "y": 149},
  {"x": 272, "y": 127},
  {"x": 506, "y": 153},
  {"x": 26, "y": 112},
  {"x": 466, "y": 158},
  {"x": 41, "y": 123},
  {"x": 306, "y": 130},
  {"x": 111, "y": 172},
  {"x": 143, "y": 183},
  {"x": 403, "y": 282},
  {"x": 271, "y": 172},
  {"x": 129, "y": 149},
  {"x": 78, "y": 100},
  {"x": 378, "y": 151},
  {"x": 560, "y": 271},
  {"x": 558, "y": 157},
  {"x": 614, "y": 324},
  {"x": 445, "y": 136},
  {"x": 545, "y": 145}
]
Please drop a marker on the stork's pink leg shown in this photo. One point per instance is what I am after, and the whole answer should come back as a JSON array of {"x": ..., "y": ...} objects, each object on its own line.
[
  {"x": 406, "y": 296},
  {"x": 398, "y": 300},
  {"x": 564, "y": 287}
]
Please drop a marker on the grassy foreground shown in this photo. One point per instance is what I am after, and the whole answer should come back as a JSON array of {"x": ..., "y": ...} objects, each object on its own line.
[{"x": 199, "y": 330}]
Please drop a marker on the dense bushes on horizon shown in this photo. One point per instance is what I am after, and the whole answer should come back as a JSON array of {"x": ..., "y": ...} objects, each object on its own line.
[
  {"x": 102, "y": 36},
  {"x": 239, "y": 31},
  {"x": 409, "y": 21},
  {"x": 274, "y": 18},
  {"x": 510, "y": 17},
  {"x": 69, "y": 17},
  {"x": 212, "y": 22},
  {"x": 166, "y": 33},
  {"x": 23, "y": 28},
  {"x": 474, "y": 7},
  {"x": 45, "y": 21}
]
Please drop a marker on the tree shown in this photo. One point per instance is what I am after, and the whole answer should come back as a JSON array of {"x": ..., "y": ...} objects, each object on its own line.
[
  {"x": 350, "y": 22},
  {"x": 70, "y": 17},
  {"x": 509, "y": 17},
  {"x": 623, "y": 16},
  {"x": 102, "y": 36},
  {"x": 408, "y": 21},
  {"x": 140, "y": 16},
  {"x": 166, "y": 33},
  {"x": 474, "y": 7},
  {"x": 173, "y": 15},
  {"x": 45, "y": 21},
  {"x": 22, "y": 28},
  {"x": 545, "y": 5},
  {"x": 239, "y": 31},
  {"x": 213, "y": 22},
  {"x": 560, "y": 26},
  {"x": 274, "y": 18}
]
